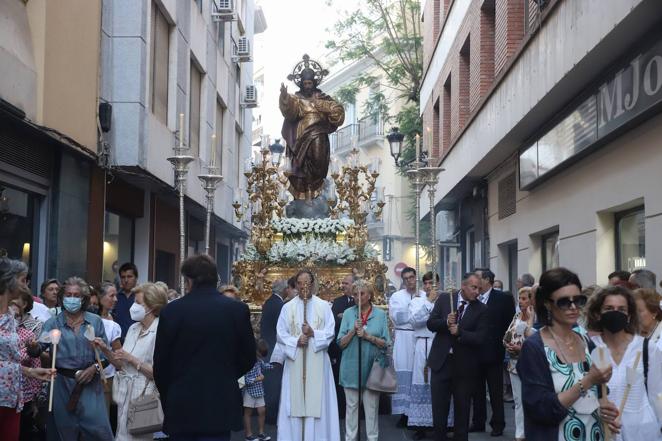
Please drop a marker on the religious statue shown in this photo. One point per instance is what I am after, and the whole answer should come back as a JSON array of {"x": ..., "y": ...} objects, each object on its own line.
[{"x": 310, "y": 116}]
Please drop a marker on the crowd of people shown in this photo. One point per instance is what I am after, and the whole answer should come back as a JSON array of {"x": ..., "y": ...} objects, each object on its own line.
[{"x": 84, "y": 362}]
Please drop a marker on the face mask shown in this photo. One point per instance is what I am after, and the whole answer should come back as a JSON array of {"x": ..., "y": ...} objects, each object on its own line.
[
  {"x": 613, "y": 321},
  {"x": 94, "y": 309},
  {"x": 72, "y": 304},
  {"x": 137, "y": 312}
]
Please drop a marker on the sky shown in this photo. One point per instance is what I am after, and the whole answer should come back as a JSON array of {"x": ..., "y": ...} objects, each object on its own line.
[{"x": 294, "y": 27}]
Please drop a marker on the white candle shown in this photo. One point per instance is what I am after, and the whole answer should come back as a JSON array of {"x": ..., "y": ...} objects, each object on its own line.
[
  {"x": 212, "y": 159},
  {"x": 418, "y": 147},
  {"x": 181, "y": 130}
]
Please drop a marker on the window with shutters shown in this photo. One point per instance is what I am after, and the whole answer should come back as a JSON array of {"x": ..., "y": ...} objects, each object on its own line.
[
  {"x": 194, "y": 111},
  {"x": 160, "y": 54},
  {"x": 507, "y": 196}
]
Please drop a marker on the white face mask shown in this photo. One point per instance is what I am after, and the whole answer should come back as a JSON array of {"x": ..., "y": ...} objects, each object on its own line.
[{"x": 137, "y": 312}]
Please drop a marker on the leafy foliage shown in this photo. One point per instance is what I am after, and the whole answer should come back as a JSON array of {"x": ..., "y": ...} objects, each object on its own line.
[{"x": 388, "y": 32}]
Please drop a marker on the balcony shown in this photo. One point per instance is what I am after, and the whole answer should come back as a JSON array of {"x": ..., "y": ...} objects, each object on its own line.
[
  {"x": 341, "y": 140},
  {"x": 370, "y": 130}
]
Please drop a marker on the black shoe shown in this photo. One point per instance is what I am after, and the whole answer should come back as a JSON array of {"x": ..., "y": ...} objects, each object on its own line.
[
  {"x": 475, "y": 429},
  {"x": 419, "y": 434},
  {"x": 496, "y": 432},
  {"x": 402, "y": 422}
]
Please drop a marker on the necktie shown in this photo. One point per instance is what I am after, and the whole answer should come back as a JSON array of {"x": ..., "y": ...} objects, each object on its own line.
[{"x": 460, "y": 310}]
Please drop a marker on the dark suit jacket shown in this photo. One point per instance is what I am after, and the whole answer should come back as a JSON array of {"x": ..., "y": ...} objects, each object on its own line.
[
  {"x": 340, "y": 304},
  {"x": 270, "y": 312},
  {"x": 500, "y": 312},
  {"x": 473, "y": 330},
  {"x": 204, "y": 343}
]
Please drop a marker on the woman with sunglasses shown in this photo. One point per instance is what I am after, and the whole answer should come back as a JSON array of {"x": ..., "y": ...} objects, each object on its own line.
[
  {"x": 613, "y": 313},
  {"x": 559, "y": 379}
]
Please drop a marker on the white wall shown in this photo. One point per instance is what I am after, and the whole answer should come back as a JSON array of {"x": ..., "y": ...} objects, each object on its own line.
[{"x": 581, "y": 201}]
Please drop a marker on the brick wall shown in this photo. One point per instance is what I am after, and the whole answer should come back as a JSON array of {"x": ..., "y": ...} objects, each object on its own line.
[
  {"x": 509, "y": 31},
  {"x": 489, "y": 36}
]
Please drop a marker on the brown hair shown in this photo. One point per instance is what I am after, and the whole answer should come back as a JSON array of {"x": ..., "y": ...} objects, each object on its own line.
[
  {"x": 651, "y": 299},
  {"x": 26, "y": 297},
  {"x": 593, "y": 309}
]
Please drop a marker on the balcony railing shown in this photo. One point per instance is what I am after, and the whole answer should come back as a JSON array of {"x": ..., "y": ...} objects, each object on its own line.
[
  {"x": 370, "y": 129},
  {"x": 341, "y": 140}
]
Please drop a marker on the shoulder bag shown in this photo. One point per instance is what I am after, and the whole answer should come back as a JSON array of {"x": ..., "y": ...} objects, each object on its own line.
[
  {"x": 382, "y": 376},
  {"x": 145, "y": 413}
]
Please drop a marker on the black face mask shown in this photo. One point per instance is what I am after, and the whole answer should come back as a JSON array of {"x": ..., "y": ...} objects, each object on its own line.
[
  {"x": 94, "y": 309},
  {"x": 613, "y": 321}
]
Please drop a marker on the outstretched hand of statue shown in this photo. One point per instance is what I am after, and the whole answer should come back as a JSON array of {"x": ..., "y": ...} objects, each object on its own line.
[{"x": 283, "y": 90}]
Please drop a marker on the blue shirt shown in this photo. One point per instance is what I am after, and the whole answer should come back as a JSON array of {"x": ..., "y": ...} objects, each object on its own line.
[
  {"x": 121, "y": 312},
  {"x": 74, "y": 350},
  {"x": 256, "y": 388},
  {"x": 377, "y": 326}
]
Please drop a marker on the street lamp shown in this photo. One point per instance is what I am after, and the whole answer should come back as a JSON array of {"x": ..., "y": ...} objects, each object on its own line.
[
  {"x": 395, "y": 138},
  {"x": 276, "y": 150},
  {"x": 420, "y": 174}
]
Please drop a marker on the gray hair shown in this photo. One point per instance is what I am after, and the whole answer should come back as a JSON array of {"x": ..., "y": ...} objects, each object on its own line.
[
  {"x": 10, "y": 269},
  {"x": 527, "y": 279},
  {"x": 279, "y": 287},
  {"x": 643, "y": 278},
  {"x": 103, "y": 289},
  {"x": 79, "y": 282}
]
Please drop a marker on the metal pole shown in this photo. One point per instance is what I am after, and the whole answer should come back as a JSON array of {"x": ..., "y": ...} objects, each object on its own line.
[
  {"x": 358, "y": 411},
  {"x": 210, "y": 208},
  {"x": 414, "y": 175},
  {"x": 431, "y": 181},
  {"x": 209, "y": 183},
  {"x": 182, "y": 233}
]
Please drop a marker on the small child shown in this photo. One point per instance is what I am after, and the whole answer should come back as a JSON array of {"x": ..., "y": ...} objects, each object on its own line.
[{"x": 254, "y": 394}]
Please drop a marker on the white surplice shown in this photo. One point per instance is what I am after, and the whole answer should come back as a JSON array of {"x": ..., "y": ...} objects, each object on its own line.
[
  {"x": 316, "y": 402},
  {"x": 403, "y": 348}
]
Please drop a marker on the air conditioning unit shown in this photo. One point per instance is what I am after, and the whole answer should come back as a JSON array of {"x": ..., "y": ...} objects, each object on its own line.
[
  {"x": 250, "y": 97},
  {"x": 242, "y": 51},
  {"x": 223, "y": 11}
]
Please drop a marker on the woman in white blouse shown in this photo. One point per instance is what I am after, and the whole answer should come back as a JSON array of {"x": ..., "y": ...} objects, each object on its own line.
[
  {"x": 650, "y": 316},
  {"x": 134, "y": 361},
  {"x": 613, "y": 313}
]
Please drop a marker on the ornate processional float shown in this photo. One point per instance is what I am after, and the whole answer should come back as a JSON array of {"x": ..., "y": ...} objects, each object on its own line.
[{"x": 301, "y": 218}]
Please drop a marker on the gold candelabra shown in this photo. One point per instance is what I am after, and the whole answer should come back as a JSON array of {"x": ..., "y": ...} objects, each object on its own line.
[
  {"x": 354, "y": 184},
  {"x": 267, "y": 197}
]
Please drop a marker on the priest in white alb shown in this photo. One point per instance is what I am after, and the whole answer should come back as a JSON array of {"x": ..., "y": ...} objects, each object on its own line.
[{"x": 308, "y": 406}]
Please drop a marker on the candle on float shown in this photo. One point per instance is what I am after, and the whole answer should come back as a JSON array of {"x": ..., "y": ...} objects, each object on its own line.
[
  {"x": 418, "y": 147},
  {"x": 212, "y": 158},
  {"x": 181, "y": 130}
]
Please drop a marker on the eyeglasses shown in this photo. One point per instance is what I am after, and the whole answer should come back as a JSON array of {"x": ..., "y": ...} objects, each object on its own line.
[{"x": 566, "y": 302}]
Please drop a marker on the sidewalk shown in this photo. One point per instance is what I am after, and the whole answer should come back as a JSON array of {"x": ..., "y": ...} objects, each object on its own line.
[{"x": 388, "y": 431}]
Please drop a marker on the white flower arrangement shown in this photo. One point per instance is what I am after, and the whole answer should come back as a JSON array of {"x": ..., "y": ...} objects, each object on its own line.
[
  {"x": 293, "y": 226},
  {"x": 300, "y": 250}
]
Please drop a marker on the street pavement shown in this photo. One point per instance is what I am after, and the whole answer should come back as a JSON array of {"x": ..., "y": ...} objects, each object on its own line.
[{"x": 388, "y": 431}]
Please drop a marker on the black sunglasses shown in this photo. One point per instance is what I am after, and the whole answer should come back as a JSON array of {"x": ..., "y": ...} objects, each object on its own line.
[{"x": 566, "y": 302}]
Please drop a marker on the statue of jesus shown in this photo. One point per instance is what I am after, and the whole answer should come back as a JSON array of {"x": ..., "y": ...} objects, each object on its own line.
[{"x": 310, "y": 116}]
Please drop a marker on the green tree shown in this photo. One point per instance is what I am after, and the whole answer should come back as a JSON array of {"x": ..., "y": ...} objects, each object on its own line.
[{"x": 387, "y": 32}]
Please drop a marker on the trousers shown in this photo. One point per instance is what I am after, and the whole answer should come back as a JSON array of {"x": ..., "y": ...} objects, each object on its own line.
[
  {"x": 516, "y": 383},
  {"x": 370, "y": 408}
]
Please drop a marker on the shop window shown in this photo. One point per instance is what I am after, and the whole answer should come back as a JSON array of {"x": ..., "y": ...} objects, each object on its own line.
[
  {"x": 18, "y": 218},
  {"x": 630, "y": 239},
  {"x": 550, "y": 250},
  {"x": 117, "y": 244}
]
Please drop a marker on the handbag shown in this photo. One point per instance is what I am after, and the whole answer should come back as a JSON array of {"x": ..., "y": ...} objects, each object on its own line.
[
  {"x": 145, "y": 413},
  {"x": 382, "y": 376}
]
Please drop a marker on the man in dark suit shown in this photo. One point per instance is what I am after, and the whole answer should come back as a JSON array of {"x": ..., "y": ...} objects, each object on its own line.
[
  {"x": 500, "y": 312},
  {"x": 272, "y": 378},
  {"x": 340, "y": 304},
  {"x": 452, "y": 359},
  {"x": 204, "y": 343}
]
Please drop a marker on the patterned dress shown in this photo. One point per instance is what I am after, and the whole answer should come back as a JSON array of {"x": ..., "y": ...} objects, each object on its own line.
[
  {"x": 11, "y": 394},
  {"x": 583, "y": 421}
]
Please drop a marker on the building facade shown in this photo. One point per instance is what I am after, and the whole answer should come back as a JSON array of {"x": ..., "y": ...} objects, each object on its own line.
[
  {"x": 51, "y": 187},
  {"x": 392, "y": 235},
  {"x": 547, "y": 119},
  {"x": 161, "y": 60}
]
